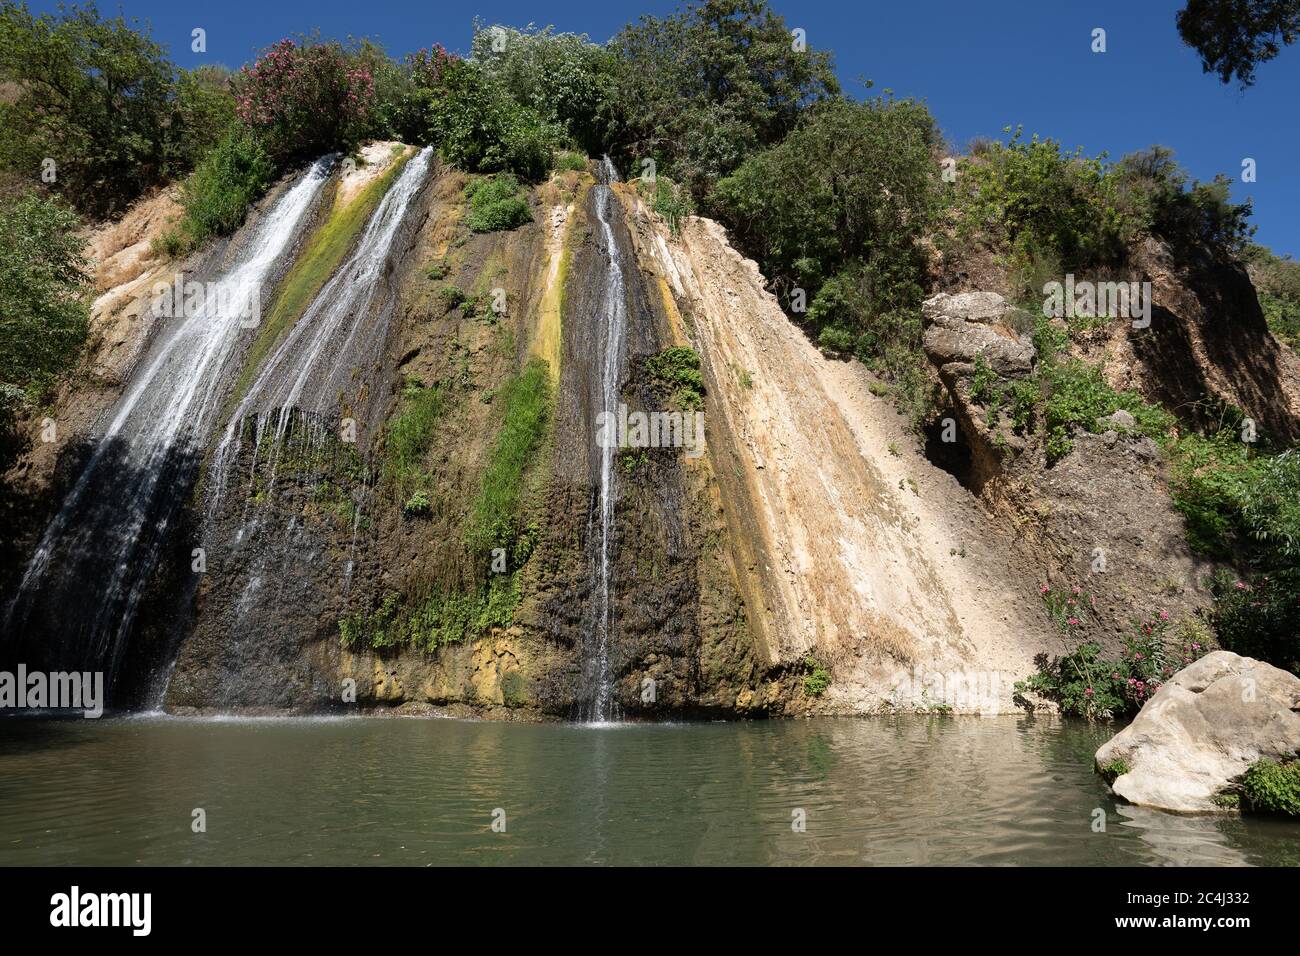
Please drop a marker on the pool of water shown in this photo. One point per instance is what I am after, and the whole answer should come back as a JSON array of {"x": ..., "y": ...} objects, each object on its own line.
[{"x": 914, "y": 790}]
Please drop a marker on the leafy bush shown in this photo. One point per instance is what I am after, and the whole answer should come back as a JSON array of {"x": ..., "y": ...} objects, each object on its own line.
[
  {"x": 305, "y": 99},
  {"x": 562, "y": 78},
  {"x": 1277, "y": 283},
  {"x": 676, "y": 372},
  {"x": 217, "y": 195},
  {"x": 480, "y": 127},
  {"x": 44, "y": 314},
  {"x": 847, "y": 238},
  {"x": 817, "y": 678},
  {"x": 1269, "y": 787},
  {"x": 496, "y": 203},
  {"x": 569, "y": 161},
  {"x": 1084, "y": 684},
  {"x": 669, "y": 200},
  {"x": 1258, "y": 618}
]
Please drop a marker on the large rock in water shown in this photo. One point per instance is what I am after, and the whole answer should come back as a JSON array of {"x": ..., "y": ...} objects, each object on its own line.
[{"x": 1202, "y": 729}]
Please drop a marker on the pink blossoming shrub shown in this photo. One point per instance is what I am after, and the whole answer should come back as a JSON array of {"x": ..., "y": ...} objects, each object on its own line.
[
  {"x": 1085, "y": 684},
  {"x": 303, "y": 100}
]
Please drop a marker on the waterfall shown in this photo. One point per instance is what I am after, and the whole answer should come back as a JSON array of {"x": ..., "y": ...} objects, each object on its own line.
[
  {"x": 79, "y": 595},
  {"x": 613, "y": 307},
  {"x": 312, "y": 366}
]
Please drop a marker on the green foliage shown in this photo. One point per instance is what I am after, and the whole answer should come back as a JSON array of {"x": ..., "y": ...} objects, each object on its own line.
[
  {"x": 569, "y": 161},
  {"x": 304, "y": 98},
  {"x": 481, "y": 128},
  {"x": 1035, "y": 199},
  {"x": 561, "y": 78},
  {"x": 1084, "y": 684},
  {"x": 676, "y": 373},
  {"x": 669, "y": 200},
  {"x": 848, "y": 235},
  {"x": 438, "y": 619},
  {"x": 1237, "y": 501},
  {"x": 1258, "y": 617},
  {"x": 1114, "y": 770},
  {"x": 496, "y": 203},
  {"x": 44, "y": 313},
  {"x": 702, "y": 89},
  {"x": 410, "y": 433},
  {"x": 1269, "y": 787},
  {"x": 816, "y": 679},
  {"x": 1233, "y": 37},
  {"x": 217, "y": 195},
  {"x": 95, "y": 95},
  {"x": 1052, "y": 211},
  {"x": 494, "y": 520},
  {"x": 1277, "y": 283}
]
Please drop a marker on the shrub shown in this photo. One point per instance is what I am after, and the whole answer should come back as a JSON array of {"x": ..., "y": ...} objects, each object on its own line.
[
  {"x": 1269, "y": 787},
  {"x": 704, "y": 88},
  {"x": 305, "y": 99},
  {"x": 669, "y": 200},
  {"x": 480, "y": 127},
  {"x": 1084, "y": 684},
  {"x": 562, "y": 78},
  {"x": 496, "y": 203},
  {"x": 848, "y": 236},
  {"x": 817, "y": 678},
  {"x": 44, "y": 314},
  {"x": 1257, "y": 617},
  {"x": 676, "y": 373},
  {"x": 1277, "y": 283},
  {"x": 572, "y": 162},
  {"x": 217, "y": 195}
]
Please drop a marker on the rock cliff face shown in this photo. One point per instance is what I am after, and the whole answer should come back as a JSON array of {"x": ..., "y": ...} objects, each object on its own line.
[{"x": 347, "y": 560}]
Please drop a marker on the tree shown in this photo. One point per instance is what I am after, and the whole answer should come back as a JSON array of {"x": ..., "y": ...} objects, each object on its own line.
[
  {"x": 702, "y": 89},
  {"x": 1235, "y": 36},
  {"x": 93, "y": 106},
  {"x": 43, "y": 315},
  {"x": 305, "y": 99}
]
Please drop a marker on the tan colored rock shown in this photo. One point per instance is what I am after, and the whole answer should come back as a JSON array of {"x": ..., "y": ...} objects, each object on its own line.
[{"x": 1201, "y": 731}]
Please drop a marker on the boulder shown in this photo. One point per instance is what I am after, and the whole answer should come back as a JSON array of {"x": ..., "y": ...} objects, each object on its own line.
[
  {"x": 1202, "y": 729},
  {"x": 960, "y": 328}
]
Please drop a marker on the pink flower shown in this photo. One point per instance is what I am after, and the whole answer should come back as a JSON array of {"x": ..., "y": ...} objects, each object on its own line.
[
  {"x": 1088, "y": 692},
  {"x": 1164, "y": 615},
  {"x": 1073, "y": 622}
]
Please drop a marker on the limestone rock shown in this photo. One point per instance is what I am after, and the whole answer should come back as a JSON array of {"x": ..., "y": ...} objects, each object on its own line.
[
  {"x": 960, "y": 328},
  {"x": 1202, "y": 729}
]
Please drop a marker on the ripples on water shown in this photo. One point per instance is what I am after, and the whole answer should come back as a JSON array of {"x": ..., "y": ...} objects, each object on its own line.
[{"x": 414, "y": 792}]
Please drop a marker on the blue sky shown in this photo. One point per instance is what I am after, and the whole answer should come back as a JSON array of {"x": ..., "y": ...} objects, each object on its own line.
[{"x": 981, "y": 66}]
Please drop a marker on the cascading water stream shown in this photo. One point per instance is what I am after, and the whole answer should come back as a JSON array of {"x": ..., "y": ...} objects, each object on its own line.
[
  {"x": 80, "y": 593},
  {"x": 613, "y": 307},
  {"x": 312, "y": 365}
]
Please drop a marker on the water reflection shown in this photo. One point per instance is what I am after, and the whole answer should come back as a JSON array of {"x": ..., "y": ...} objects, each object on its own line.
[{"x": 1002, "y": 791}]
